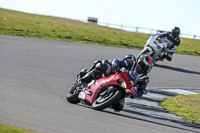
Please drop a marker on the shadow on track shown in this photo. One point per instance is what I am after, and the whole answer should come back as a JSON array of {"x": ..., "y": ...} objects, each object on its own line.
[
  {"x": 176, "y": 69},
  {"x": 157, "y": 123},
  {"x": 197, "y": 126}
]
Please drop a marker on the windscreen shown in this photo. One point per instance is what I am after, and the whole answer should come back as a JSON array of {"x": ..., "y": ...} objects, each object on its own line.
[{"x": 160, "y": 39}]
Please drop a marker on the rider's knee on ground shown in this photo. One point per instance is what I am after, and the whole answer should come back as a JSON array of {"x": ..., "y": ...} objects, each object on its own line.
[
  {"x": 139, "y": 93},
  {"x": 119, "y": 105}
]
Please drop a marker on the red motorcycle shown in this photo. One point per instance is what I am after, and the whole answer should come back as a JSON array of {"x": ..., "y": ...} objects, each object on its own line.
[{"x": 104, "y": 92}]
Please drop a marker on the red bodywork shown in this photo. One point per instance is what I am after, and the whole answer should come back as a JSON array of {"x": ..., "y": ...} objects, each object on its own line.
[{"x": 96, "y": 87}]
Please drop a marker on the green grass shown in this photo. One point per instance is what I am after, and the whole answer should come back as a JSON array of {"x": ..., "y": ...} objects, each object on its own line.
[
  {"x": 10, "y": 129},
  {"x": 186, "y": 106},
  {"x": 47, "y": 27}
]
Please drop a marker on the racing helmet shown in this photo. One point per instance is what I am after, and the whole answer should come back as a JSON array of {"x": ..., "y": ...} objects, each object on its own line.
[
  {"x": 130, "y": 62},
  {"x": 175, "y": 32},
  {"x": 144, "y": 64}
]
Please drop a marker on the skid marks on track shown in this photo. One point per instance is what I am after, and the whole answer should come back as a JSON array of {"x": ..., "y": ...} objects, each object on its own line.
[{"x": 149, "y": 104}]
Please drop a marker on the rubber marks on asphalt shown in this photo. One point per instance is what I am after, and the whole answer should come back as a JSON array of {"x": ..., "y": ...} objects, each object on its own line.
[{"x": 149, "y": 104}]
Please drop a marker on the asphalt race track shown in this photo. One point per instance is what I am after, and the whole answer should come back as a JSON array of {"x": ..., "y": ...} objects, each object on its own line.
[{"x": 36, "y": 73}]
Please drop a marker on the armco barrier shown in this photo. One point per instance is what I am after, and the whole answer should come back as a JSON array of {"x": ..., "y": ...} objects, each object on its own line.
[
  {"x": 141, "y": 29},
  {"x": 144, "y": 30}
]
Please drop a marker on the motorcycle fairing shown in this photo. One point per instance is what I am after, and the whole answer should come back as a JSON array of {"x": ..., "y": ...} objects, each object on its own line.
[{"x": 107, "y": 81}]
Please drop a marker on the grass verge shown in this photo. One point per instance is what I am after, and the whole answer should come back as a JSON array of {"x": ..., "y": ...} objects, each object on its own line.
[
  {"x": 10, "y": 129},
  {"x": 47, "y": 27},
  {"x": 186, "y": 106}
]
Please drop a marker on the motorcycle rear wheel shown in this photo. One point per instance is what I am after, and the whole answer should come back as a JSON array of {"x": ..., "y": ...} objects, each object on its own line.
[
  {"x": 72, "y": 94},
  {"x": 103, "y": 102}
]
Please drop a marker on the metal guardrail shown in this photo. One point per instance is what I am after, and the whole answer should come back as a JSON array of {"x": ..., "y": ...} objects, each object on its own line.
[{"x": 142, "y": 30}]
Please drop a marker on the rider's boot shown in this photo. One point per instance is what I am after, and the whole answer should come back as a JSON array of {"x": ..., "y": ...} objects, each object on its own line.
[
  {"x": 161, "y": 57},
  {"x": 169, "y": 55},
  {"x": 82, "y": 73},
  {"x": 118, "y": 106},
  {"x": 87, "y": 78}
]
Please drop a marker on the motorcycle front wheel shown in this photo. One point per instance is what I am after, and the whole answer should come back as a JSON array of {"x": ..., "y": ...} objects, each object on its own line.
[
  {"x": 72, "y": 94},
  {"x": 146, "y": 50},
  {"x": 105, "y": 101}
]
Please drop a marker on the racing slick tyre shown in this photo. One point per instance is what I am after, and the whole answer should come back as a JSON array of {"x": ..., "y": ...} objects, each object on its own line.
[
  {"x": 104, "y": 101},
  {"x": 73, "y": 92}
]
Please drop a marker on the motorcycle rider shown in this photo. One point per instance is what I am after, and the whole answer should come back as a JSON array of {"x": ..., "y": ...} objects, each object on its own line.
[
  {"x": 106, "y": 67},
  {"x": 129, "y": 62},
  {"x": 173, "y": 42},
  {"x": 144, "y": 66}
]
